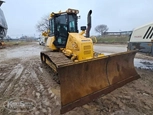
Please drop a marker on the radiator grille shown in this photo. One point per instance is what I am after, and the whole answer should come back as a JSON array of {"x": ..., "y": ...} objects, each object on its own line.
[
  {"x": 87, "y": 52},
  {"x": 88, "y": 47}
]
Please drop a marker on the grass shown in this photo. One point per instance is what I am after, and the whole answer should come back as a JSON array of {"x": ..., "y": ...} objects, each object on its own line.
[
  {"x": 112, "y": 39},
  {"x": 15, "y": 43},
  {"x": 100, "y": 39}
]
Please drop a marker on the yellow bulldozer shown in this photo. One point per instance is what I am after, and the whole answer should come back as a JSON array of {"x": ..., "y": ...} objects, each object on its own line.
[{"x": 84, "y": 74}]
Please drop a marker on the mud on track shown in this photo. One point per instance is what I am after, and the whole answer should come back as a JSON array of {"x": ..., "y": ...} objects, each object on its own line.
[{"x": 25, "y": 76}]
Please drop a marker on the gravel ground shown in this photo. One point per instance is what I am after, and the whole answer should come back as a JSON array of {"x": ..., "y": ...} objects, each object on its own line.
[{"x": 22, "y": 75}]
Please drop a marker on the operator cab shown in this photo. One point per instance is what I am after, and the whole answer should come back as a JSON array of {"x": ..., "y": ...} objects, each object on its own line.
[{"x": 60, "y": 25}]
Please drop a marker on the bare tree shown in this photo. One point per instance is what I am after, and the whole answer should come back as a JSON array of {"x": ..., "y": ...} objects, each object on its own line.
[
  {"x": 43, "y": 24},
  {"x": 101, "y": 29}
]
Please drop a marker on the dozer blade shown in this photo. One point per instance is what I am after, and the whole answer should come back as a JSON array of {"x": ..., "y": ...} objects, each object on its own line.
[{"x": 82, "y": 82}]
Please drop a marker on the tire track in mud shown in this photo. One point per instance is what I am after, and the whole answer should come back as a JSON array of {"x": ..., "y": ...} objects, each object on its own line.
[
  {"x": 24, "y": 77},
  {"x": 10, "y": 88},
  {"x": 49, "y": 96},
  {"x": 141, "y": 98},
  {"x": 7, "y": 83},
  {"x": 46, "y": 100},
  {"x": 19, "y": 88}
]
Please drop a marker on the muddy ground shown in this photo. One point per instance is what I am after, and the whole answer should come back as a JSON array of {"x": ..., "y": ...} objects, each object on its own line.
[{"x": 23, "y": 75}]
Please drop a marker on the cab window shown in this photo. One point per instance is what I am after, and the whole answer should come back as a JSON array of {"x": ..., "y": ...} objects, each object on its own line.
[{"x": 51, "y": 25}]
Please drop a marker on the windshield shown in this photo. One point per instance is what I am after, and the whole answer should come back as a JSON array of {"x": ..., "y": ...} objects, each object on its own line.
[
  {"x": 68, "y": 22},
  {"x": 72, "y": 23},
  {"x": 61, "y": 25}
]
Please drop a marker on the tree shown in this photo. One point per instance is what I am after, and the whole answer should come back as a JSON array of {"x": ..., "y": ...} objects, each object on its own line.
[
  {"x": 43, "y": 25},
  {"x": 101, "y": 29}
]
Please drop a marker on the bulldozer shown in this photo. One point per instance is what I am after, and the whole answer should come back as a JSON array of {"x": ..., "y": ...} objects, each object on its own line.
[{"x": 83, "y": 73}]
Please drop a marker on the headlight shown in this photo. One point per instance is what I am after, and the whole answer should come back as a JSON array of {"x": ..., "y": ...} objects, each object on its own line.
[
  {"x": 69, "y": 11},
  {"x": 73, "y": 11},
  {"x": 77, "y": 11}
]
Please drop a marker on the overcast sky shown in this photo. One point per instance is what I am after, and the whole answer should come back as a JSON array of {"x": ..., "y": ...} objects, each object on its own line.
[{"x": 119, "y": 15}]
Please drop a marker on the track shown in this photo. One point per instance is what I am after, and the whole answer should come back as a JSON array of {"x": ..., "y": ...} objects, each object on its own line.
[
  {"x": 54, "y": 59},
  {"x": 57, "y": 58}
]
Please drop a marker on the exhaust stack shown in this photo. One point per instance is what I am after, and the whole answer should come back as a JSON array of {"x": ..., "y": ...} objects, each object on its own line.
[{"x": 88, "y": 24}]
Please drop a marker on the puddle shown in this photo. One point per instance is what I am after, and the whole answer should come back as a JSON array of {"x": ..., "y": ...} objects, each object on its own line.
[
  {"x": 139, "y": 63},
  {"x": 143, "y": 64}
]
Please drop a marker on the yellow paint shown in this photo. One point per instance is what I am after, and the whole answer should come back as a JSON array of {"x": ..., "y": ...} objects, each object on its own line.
[
  {"x": 67, "y": 52},
  {"x": 101, "y": 55},
  {"x": 82, "y": 32},
  {"x": 50, "y": 44},
  {"x": 69, "y": 10},
  {"x": 80, "y": 46},
  {"x": 51, "y": 65},
  {"x": 45, "y": 34}
]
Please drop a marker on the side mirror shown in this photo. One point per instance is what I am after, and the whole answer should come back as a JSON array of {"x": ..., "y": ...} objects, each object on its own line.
[
  {"x": 79, "y": 17},
  {"x": 83, "y": 28}
]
